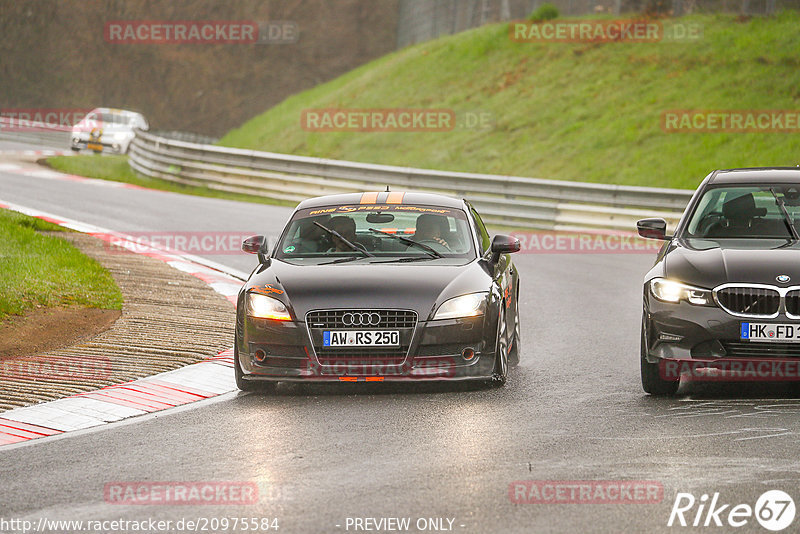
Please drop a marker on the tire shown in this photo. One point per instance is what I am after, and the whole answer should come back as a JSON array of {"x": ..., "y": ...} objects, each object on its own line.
[
  {"x": 500, "y": 371},
  {"x": 652, "y": 382},
  {"x": 513, "y": 355},
  {"x": 246, "y": 385}
]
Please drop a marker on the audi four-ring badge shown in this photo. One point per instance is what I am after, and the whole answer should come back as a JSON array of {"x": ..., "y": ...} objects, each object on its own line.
[
  {"x": 379, "y": 287},
  {"x": 723, "y": 298}
]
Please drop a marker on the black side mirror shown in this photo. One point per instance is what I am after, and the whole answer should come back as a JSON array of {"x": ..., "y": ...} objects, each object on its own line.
[
  {"x": 256, "y": 244},
  {"x": 652, "y": 228},
  {"x": 504, "y": 244}
]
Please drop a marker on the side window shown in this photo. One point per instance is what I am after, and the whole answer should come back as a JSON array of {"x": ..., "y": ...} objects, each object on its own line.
[{"x": 483, "y": 236}]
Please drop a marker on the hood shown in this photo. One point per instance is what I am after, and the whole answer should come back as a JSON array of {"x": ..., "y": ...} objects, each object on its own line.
[
  {"x": 362, "y": 286},
  {"x": 708, "y": 263}
]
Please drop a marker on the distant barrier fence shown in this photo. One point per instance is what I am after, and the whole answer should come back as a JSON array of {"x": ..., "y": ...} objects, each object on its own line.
[{"x": 509, "y": 201}]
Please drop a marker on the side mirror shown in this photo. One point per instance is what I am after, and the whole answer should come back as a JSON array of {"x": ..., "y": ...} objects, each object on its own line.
[
  {"x": 253, "y": 245},
  {"x": 504, "y": 244},
  {"x": 256, "y": 244},
  {"x": 652, "y": 228}
]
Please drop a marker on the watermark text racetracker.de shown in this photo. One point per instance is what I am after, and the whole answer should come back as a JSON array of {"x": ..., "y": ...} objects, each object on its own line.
[
  {"x": 200, "y": 32},
  {"x": 191, "y": 242},
  {"x": 763, "y": 370},
  {"x": 394, "y": 120},
  {"x": 550, "y": 242},
  {"x": 182, "y": 493},
  {"x": 604, "y": 31},
  {"x": 586, "y": 492},
  {"x": 34, "y": 119},
  {"x": 65, "y": 368},
  {"x": 148, "y": 525},
  {"x": 731, "y": 121}
]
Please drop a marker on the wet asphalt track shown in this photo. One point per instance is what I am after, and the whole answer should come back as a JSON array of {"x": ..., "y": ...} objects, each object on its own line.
[{"x": 573, "y": 410}]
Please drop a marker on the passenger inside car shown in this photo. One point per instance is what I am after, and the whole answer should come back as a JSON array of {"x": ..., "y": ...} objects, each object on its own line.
[
  {"x": 346, "y": 227},
  {"x": 312, "y": 238}
]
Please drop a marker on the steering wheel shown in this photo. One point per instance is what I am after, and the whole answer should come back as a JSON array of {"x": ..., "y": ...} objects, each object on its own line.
[
  {"x": 436, "y": 245},
  {"x": 711, "y": 220}
]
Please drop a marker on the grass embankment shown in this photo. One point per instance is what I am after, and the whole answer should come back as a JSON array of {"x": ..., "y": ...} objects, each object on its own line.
[
  {"x": 116, "y": 169},
  {"x": 585, "y": 111},
  {"x": 41, "y": 270}
]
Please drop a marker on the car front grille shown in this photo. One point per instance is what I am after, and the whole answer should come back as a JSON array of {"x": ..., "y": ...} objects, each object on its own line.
[
  {"x": 320, "y": 320},
  {"x": 355, "y": 357},
  {"x": 754, "y": 349},
  {"x": 751, "y": 301},
  {"x": 793, "y": 302},
  {"x": 393, "y": 319}
]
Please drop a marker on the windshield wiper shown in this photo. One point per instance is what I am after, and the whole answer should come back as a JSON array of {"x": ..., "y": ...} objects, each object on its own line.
[
  {"x": 341, "y": 260},
  {"x": 345, "y": 241},
  {"x": 408, "y": 259},
  {"x": 786, "y": 217},
  {"x": 407, "y": 241}
]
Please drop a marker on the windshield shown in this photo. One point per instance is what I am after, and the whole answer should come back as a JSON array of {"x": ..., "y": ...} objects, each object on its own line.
[
  {"x": 110, "y": 119},
  {"x": 377, "y": 234},
  {"x": 746, "y": 212}
]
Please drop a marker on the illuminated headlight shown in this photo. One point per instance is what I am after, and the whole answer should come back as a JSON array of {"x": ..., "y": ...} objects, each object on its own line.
[
  {"x": 470, "y": 305},
  {"x": 264, "y": 307},
  {"x": 672, "y": 291}
]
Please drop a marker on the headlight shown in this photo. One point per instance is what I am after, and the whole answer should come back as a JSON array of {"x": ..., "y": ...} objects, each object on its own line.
[
  {"x": 265, "y": 307},
  {"x": 470, "y": 305},
  {"x": 672, "y": 291}
]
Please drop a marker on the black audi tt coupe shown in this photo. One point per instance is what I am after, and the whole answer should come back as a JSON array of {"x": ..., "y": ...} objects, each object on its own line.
[
  {"x": 379, "y": 286},
  {"x": 723, "y": 298}
]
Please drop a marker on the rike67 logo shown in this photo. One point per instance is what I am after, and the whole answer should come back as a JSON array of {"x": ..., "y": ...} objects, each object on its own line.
[{"x": 774, "y": 510}]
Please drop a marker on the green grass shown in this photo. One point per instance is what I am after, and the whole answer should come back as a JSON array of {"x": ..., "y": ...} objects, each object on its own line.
[
  {"x": 116, "y": 168},
  {"x": 585, "y": 112},
  {"x": 40, "y": 270}
]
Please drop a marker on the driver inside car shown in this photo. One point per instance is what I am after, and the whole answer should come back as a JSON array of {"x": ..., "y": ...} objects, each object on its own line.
[
  {"x": 741, "y": 218},
  {"x": 430, "y": 230}
]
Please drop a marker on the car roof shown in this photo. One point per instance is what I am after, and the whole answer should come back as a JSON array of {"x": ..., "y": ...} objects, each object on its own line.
[
  {"x": 756, "y": 175},
  {"x": 114, "y": 111},
  {"x": 383, "y": 197}
]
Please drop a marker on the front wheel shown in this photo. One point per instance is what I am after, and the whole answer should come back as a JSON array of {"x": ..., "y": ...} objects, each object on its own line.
[
  {"x": 513, "y": 355},
  {"x": 652, "y": 382},
  {"x": 500, "y": 371}
]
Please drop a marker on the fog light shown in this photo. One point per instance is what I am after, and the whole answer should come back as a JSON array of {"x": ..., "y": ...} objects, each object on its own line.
[
  {"x": 260, "y": 355},
  {"x": 468, "y": 353}
]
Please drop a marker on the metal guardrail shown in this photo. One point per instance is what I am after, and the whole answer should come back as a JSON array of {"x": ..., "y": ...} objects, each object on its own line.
[{"x": 509, "y": 201}]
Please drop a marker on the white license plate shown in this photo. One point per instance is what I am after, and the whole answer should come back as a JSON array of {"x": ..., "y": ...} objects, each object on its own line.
[
  {"x": 361, "y": 338},
  {"x": 787, "y": 333}
]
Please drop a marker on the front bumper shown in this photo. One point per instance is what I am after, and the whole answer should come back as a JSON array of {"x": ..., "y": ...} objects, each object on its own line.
[
  {"x": 286, "y": 353},
  {"x": 113, "y": 146},
  {"x": 684, "y": 337}
]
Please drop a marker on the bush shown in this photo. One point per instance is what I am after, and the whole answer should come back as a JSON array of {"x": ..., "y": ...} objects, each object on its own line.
[{"x": 546, "y": 11}]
